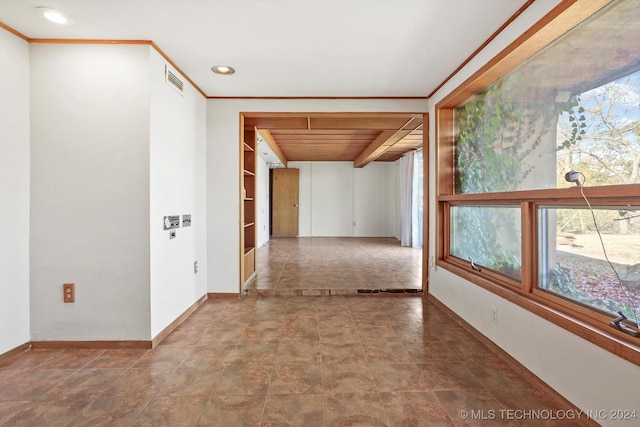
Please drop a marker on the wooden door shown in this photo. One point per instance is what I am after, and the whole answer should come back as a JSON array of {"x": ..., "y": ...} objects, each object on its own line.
[{"x": 285, "y": 202}]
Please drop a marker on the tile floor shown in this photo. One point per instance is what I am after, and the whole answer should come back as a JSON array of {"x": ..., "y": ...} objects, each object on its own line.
[
  {"x": 329, "y": 265},
  {"x": 334, "y": 359},
  {"x": 341, "y": 360}
]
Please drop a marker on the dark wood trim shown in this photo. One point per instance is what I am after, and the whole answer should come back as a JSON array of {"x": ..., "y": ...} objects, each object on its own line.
[
  {"x": 513, "y": 363},
  {"x": 173, "y": 325},
  {"x": 222, "y": 295},
  {"x": 19, "y": 349},
  {"x": 541, "y": 34},
  {"x": 426, "y": 195},
  {"x": 325, "y": 114},
  {"x": 423, "y": 98},
  {"x": 123, "y": 344},
  {"x": 599, "y": 195},
  {"x": 93, "y": 344},
  {"x": 508, "y": 22},
  {"x": 241, "y": 187},
  {"x": 90, "y": 41},
  {"x": 133, "y": 42},
  {"x": 14, "y": 31},
  {"x": 444, "y": 151}
]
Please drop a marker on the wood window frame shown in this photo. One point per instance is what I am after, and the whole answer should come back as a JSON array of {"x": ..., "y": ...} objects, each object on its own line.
[{"x": 584, "y": 322}]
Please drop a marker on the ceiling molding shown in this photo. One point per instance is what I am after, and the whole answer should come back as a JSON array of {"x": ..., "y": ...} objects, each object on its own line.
[
  {"x": 13, "y": 31},
  {"x": 508, "y": 22},
  {"x": 106, "y": 41},
  {"x": 423, "y": 98}
]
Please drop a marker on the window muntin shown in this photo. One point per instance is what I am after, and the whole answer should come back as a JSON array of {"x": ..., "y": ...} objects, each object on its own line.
[
  {"x": 572, "y": 263},
  {"x": 489, "y": 236},
  {"x": 573, "y": 105}
]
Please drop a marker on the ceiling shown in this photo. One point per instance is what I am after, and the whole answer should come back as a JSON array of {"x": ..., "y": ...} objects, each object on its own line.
[
  {"x": 294, "y": 48},
  {"x": 358, "y": 137}
]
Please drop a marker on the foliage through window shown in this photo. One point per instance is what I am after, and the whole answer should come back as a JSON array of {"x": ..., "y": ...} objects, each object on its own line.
[{"x": 488, "y": 236}]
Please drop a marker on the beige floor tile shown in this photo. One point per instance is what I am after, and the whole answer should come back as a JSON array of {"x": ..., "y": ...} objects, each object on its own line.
[
  {"x": 293, "y": 410},
  {"x": 354, "y": 409},
  {"x": 400, "y": 377},
  {"x": 174, "y": 411},
  {"x": 233, "y": 411},
  {"x": 372, "y": 359},
  {"x": 296, "y": 379},
  {"x": 242, "y": 380},
  {"x": 415, "y": 409},
  {"x": 348, "y": 377}
]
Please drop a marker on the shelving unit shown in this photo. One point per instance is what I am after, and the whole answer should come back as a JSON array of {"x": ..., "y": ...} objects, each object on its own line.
[{"x": 248, "y": 229}]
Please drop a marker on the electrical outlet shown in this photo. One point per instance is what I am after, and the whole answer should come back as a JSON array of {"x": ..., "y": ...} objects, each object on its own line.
[
  {"x": 494, "y": 315},
  {"x": 195, "y": 267},
  {"x": 69, "y": 292}
]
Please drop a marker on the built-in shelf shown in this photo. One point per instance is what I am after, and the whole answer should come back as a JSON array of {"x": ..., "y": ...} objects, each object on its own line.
[{"x": 248, "y": 229}]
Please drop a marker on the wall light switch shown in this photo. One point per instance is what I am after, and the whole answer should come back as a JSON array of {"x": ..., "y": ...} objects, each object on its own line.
[{"x": 170, "y": 222}]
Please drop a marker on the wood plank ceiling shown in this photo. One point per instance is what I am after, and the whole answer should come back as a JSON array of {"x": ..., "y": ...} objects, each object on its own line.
[{"x": 358, "y": 137}]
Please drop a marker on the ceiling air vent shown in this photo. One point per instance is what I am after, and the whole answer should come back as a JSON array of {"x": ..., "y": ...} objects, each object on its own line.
[{"x": 173, "y": 80}]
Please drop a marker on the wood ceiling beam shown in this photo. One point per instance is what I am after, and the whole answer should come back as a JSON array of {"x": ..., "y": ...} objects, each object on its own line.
[
  {"x": 385, "y": 140},
  {"x": 274, "y": 145}
]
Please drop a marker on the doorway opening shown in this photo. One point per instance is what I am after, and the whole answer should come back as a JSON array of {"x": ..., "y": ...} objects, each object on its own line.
[{"x": 348, "y": 175}]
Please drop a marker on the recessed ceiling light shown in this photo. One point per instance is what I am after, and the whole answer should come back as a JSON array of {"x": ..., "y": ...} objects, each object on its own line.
[
  {"x": 223, "y": 69},
  {"x": 51, "y": 15}
]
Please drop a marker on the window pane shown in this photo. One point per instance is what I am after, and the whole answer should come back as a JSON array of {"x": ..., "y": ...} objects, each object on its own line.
[
  {"x": 598, "y": 136},
  {"x": 574, "y": 105},
  {"x": 490, "y": 236},
  {"x": 572, "y": 263}
]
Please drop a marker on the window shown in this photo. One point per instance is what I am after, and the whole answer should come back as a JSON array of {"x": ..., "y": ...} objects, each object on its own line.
[
  {"x": 509, "y": 220},
  {"x": 573, "y": 265},
  {"x": 489, "y": 237}
]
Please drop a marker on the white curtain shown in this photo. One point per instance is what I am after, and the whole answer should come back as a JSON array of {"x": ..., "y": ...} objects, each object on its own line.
[
  {"x": 411, "y": 199},
  {"x": 416, "y": 201},
  {"x": 406, "y": 198}
]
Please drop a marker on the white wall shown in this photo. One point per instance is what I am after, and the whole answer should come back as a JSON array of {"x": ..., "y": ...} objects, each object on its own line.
[
  {"x": 396, "y": 208},
  {"x": 262, "y": 200},
  {"x": 176, "y": 187},
  {"x": 331, "y": 199},
  {"x": 373, "y": 200},
  {"x": 585, "y": 374},
  {"x": 223, "y": 177},
  {"x": 90, "y": 191},
  {"x": 335, "y": 195},
  {"x": 14, "y": 191}
]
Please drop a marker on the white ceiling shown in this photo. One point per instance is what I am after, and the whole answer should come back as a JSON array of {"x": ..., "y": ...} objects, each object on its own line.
[{"x": 288, "y": 48}]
